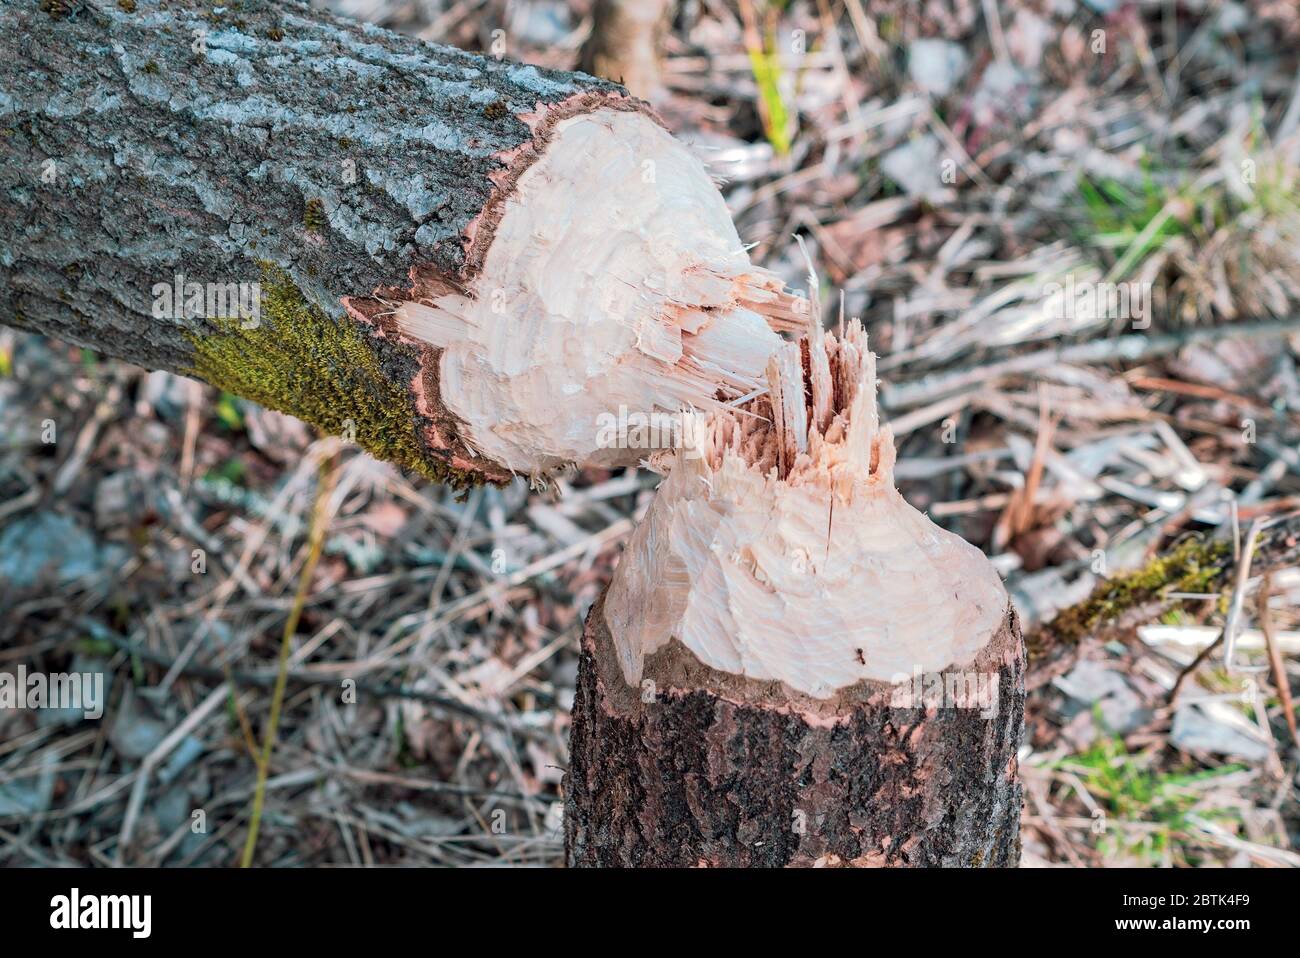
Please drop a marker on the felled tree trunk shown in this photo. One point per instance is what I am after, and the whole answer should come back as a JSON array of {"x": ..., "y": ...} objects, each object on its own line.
[
  {"x": 791, "y": 665},
  {"x": 405, "y": 244}
]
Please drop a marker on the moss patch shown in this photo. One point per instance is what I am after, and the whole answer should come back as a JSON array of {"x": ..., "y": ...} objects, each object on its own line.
[
  {"x": 314, "y": 217},
  {"x": 1195, "y": 565},
  {"x": 299, "y": 361},
  {"x": 58, "y": 9}
]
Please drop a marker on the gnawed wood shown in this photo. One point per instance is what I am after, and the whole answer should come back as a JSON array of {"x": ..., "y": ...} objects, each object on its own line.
[{"x": 791, "y": 664}]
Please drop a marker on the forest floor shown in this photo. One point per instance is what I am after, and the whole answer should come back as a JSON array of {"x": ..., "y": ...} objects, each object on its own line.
[{"x": 1106, "y": 193}]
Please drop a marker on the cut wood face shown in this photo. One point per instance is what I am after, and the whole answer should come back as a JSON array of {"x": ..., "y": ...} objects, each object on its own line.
[
  {"x": 615, "y": 281},
  {"x": 781, "y": 551}
]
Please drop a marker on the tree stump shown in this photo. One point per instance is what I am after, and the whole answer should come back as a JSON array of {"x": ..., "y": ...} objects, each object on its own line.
[{"x": 791, "y": 665}]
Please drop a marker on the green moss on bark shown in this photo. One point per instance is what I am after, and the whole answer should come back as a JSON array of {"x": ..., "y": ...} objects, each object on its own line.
[
  {"x": 326, "y": 372},
  {"x": 1195, "y": 565},
  {"x": 314, "y": 217}
]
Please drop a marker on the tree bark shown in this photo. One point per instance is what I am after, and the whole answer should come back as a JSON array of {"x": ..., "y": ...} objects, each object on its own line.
[
  {"x": 266, "y": 143},
  {"x": 695, "y": 777}
]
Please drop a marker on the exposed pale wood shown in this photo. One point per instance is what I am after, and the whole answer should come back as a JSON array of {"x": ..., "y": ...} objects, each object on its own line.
[
  {"x": 744, "y": 692},
  {"x": 783, "y": 552},
  {"x": 612, "y": 285}
]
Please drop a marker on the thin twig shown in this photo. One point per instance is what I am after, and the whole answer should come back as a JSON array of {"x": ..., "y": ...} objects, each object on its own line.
[
  {"x": 316, "y": 538},
  {"x": 1275, "y": 656}
]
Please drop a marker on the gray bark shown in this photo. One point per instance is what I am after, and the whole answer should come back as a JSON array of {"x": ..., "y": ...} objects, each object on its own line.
[{"x": 140, "y": 140}]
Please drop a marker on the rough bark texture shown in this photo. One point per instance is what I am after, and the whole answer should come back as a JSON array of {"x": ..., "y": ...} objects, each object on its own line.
[
  {"x": 692, "y": 778},
  {"x": 1121, "y": 603},
  {"x": 260, "y": 142}
]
